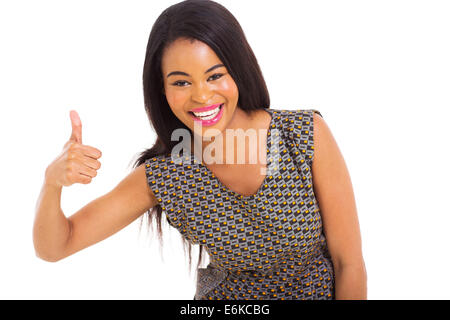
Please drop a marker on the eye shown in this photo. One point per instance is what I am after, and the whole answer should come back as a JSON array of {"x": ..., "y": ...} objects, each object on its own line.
[
  {"x": 182, "y": 83},
  {"x": 216, "y": 76},
  {"x": 179, "y": 83}
]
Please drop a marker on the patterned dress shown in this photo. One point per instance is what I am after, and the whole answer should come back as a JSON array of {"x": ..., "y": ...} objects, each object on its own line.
[{"x": 269, "y": 245}]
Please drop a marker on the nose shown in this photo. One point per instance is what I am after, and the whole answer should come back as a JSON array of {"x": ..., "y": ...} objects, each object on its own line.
[{"x": 201, "y": 93}]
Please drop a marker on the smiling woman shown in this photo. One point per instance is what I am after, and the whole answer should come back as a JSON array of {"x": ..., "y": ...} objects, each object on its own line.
[
  {"x": 290, "y": 232},
  {"x": 209, "y": 97},
  {"x": 209, "y": 115},
  {"x": 172, "y": 76},
  {"x": 263, "y": 234}
]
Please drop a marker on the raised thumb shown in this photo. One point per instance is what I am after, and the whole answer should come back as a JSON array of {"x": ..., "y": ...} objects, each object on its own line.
[{"x": 76, "y": 126}]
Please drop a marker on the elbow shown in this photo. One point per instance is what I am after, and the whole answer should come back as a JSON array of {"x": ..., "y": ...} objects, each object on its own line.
[
  {"x": 42, "y": 253},
  {"x": 356, "y": 266},
  {"x": 46, "y": 249},
  {"x": 45, "y": 253},
  {"x": 47, "y": 257},
  {"x": 355, "y": 271}
]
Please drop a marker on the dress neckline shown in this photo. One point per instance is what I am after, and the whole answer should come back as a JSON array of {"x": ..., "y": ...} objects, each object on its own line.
[{"x": 212, "y": 176}]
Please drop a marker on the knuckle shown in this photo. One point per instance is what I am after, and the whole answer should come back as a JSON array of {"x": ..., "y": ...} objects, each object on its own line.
[
  {"x": 72, "y": 145},
  {"x": 71, "y": 165},
  {"x": 72, "y": 154},
  {"x": 69, "y": 174}
]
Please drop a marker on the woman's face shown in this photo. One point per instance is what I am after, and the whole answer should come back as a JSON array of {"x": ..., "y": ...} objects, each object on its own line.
[{"x": 195, "y": 78}]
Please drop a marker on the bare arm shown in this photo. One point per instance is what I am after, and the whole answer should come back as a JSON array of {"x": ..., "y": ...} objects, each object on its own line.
[
  {"x": 56, "y": 237},
  {"x": 334, "y": 192},
  {"x": 51, "y": 229}
]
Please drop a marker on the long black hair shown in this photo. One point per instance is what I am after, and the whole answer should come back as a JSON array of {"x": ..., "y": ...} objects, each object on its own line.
[{"x": 212, "y": 24}]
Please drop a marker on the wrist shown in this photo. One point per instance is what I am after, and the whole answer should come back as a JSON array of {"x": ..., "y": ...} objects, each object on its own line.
[{"x": 51, "y": 183}]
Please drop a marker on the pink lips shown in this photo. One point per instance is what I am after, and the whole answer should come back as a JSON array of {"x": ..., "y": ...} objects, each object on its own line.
[
  {"x": 213, "y": 106},
  {"x": 212, "y": 121}
]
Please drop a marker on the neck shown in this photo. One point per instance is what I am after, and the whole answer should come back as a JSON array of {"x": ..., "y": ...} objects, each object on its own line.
[{"x": 240, "y": 120}]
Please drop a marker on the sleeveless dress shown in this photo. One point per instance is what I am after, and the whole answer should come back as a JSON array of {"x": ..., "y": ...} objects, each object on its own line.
[{"x": 269, "y": 245}]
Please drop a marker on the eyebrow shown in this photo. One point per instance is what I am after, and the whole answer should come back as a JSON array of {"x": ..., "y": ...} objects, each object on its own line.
[{"x": 173, "y": 73}]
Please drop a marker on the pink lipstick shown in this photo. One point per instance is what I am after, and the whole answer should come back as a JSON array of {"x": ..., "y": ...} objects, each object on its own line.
[
  {"x": 213, "y": 106},
  {"x": 208, "y": 116}
]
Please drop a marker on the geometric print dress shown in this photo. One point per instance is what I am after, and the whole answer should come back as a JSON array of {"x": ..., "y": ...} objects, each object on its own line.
[{"x": 266, "y": 246}]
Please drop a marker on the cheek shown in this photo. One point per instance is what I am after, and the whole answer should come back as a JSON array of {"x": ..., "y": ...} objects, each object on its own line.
[
  {"x": 176, "y": 99},
  {"x": 229, "y": 89}
]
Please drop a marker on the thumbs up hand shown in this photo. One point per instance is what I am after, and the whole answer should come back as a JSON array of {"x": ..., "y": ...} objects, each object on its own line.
[{"x": 77, "y": 163}]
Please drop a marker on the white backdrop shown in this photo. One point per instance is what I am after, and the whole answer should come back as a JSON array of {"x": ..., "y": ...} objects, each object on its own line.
[{"x": 377, "y": 70}]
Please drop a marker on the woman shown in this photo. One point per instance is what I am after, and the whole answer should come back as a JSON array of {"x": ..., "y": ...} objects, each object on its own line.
[{"x": 284, "y": 227}]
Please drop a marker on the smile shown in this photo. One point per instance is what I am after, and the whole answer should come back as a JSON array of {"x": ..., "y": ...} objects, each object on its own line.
[
  {"x": 208, "y": 114},
  {"x": 209, "y": 117}
]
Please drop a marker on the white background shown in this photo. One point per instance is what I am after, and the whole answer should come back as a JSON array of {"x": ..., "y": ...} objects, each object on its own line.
[{"x": 379, "y": 71}]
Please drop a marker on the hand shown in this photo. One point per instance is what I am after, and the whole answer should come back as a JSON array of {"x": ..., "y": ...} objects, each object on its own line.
[{"x": 77, "y": 163}]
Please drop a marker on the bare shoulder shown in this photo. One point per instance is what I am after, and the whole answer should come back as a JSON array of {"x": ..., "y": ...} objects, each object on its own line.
[
  {"x": 328, "y": 161},
  {"x": 321, "y": 130},
  {"x": 326, "y": 150}
]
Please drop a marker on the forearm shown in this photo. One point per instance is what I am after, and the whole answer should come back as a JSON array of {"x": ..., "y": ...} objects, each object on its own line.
[
  {"x": 51, "y": 228},
  {"x": 351, "y": 283}
]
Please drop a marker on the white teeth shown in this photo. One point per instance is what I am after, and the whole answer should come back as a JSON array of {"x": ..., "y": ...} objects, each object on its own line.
[{"x": 208, "y": 114}]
